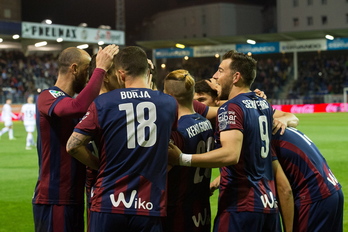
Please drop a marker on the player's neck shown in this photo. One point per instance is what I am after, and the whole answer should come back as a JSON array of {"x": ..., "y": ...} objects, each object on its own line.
[
  {"x": 137, "y": 82},
  {"x": 65, "y": 86},
  {"x": 184, "y": 110},
  {"x": 238, "y": 90}
]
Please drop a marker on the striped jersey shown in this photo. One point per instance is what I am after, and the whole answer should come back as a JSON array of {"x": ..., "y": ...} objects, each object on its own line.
[
  {"x": 309, "y": 175},
  {"x": 188, "y": 187},
  {"x": 131, "y": 128},
  {"x": 248, "y": 185},
  {"x": 61, "y": 177}
]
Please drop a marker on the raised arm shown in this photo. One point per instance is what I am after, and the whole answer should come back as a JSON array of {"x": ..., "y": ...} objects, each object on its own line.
[{"x": 77, "y": 107}]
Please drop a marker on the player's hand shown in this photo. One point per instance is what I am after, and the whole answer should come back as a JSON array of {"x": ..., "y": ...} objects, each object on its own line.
[
  {"x": 214, "y": 185},
  {"x": 104, "y": 59},
  {"x": 278, "y": 125},
  {"x": 151, "y": 67},
  {"x": 260, "y": 93},
  {"x": 173, "y": 154},
  {"x": 214, "y": 85}
]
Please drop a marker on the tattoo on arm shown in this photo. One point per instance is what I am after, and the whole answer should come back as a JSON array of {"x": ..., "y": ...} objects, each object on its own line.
[{"x": 74, "y": 143}]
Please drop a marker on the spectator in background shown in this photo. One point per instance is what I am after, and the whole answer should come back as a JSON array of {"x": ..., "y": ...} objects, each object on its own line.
[
  {"x": 28, "y": 116},
  {"x": 6, "y": 117}
]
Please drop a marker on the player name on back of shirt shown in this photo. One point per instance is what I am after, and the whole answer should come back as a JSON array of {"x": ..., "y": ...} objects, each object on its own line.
[
  {"x": 135, "y": 94},
  {"x": 253, "y": 104}
]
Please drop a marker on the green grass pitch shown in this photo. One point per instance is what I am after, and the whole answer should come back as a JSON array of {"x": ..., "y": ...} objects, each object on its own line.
[{"x": 19, "y": 169}]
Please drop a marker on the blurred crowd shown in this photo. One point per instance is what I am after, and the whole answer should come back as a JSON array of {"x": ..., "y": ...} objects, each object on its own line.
[
  {"x": 318, "y": 74},
  {"x": 22, "y": 75}
]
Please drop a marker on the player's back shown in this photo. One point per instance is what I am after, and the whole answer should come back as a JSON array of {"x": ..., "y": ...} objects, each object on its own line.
[
  {"x": 188, "y": 187},
  {"x": 307, "y": 170},
  {"x": 135, "y": 126}
]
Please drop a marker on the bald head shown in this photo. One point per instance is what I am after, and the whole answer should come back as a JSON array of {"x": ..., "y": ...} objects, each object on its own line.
[{"x": 71, "y": 55}]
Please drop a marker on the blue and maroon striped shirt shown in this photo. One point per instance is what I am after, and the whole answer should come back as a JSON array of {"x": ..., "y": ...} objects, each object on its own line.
[
  {"x": 188, "y": 187},
  {"x": 61, "y": 177},
  {"x": 309, "y": 175},
  {"x": 248, "y": 185},
  {"x": 131, "y": 128}
]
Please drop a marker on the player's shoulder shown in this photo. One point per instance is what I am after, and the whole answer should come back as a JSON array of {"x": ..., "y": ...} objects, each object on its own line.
[
  {"x": 162, "y": 96},
  {"x": 51, "y": 93}
]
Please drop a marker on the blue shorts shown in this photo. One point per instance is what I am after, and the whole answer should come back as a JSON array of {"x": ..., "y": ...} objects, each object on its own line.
[
  {"x": 58, "y": 218},
  {"x": 113, "y": 222},
  {"x": 246, "y": 221},
  {"x": 323, "y": 215}
]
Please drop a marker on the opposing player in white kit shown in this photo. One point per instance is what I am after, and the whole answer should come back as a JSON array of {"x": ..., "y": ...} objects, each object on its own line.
[
  {"x": 6, "y": 117},
  {"x": 28, "y": 116}
]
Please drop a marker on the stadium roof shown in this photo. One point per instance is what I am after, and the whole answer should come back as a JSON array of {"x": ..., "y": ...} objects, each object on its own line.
[{"x": 241, "y": 39}]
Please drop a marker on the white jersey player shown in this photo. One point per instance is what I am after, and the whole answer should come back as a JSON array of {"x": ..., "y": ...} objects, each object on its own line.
[
  {"x": 6, "y": 117},
  {"x": 28, "y": 115}
]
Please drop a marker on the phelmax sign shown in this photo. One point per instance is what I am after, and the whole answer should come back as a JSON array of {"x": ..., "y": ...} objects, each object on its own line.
[{"x": 70, "y": 33}]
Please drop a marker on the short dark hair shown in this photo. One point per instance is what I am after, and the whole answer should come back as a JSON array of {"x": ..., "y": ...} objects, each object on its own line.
[
  {"x": 242, "y": 63},
  {"x": 133, "y": 60},
  {"x": 93, "y": 65},
  {"x": 203, "y": 87}
]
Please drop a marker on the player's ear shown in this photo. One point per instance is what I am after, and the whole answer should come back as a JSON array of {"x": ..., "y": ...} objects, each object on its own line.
[
  {"x": 106, "y": 78},
  {"x": 122, "y": 74},
  {"x": 237, "y": 77},
  {"x": 73, "y": 68}
]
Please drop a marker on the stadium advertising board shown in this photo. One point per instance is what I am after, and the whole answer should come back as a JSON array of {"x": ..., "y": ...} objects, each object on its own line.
[
  {"x": 204, "y": 51},
  {"x": 173, "y": 52},
  {"x": 313, "y": 108},
  {"x": 71, "y": 33},
  {"x": 259, "y": 48},
  {"x": 303, "y": 45},
  {"x": 337, "y": 44}
]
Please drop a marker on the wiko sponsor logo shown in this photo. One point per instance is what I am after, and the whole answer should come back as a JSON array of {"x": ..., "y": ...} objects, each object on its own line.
[
  {"x": 201, "y": 220},
  {"x": 331, "y": 178},
  {"x": 134, "y": 202},
  {"x": 269, "y": 202}
]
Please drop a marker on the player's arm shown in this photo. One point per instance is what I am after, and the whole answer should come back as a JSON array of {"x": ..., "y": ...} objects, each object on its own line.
[
  {"x": 281, "y": 120},
  {"x": 76, "y": 147},
  {"x": 228, "y": 154},
  {"x": 287, "y": 118},
  {"x": 285, "y": 196},
  {"x": 78, "y": 106}
]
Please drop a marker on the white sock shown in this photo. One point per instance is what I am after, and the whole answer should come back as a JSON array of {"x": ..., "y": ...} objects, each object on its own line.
[
  {"x": 10, "y": 133},
  {"x": 30, "y": 140}
]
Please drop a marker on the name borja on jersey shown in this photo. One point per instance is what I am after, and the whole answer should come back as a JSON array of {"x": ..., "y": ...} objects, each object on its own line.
[{"x": 134, "y": 94}]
